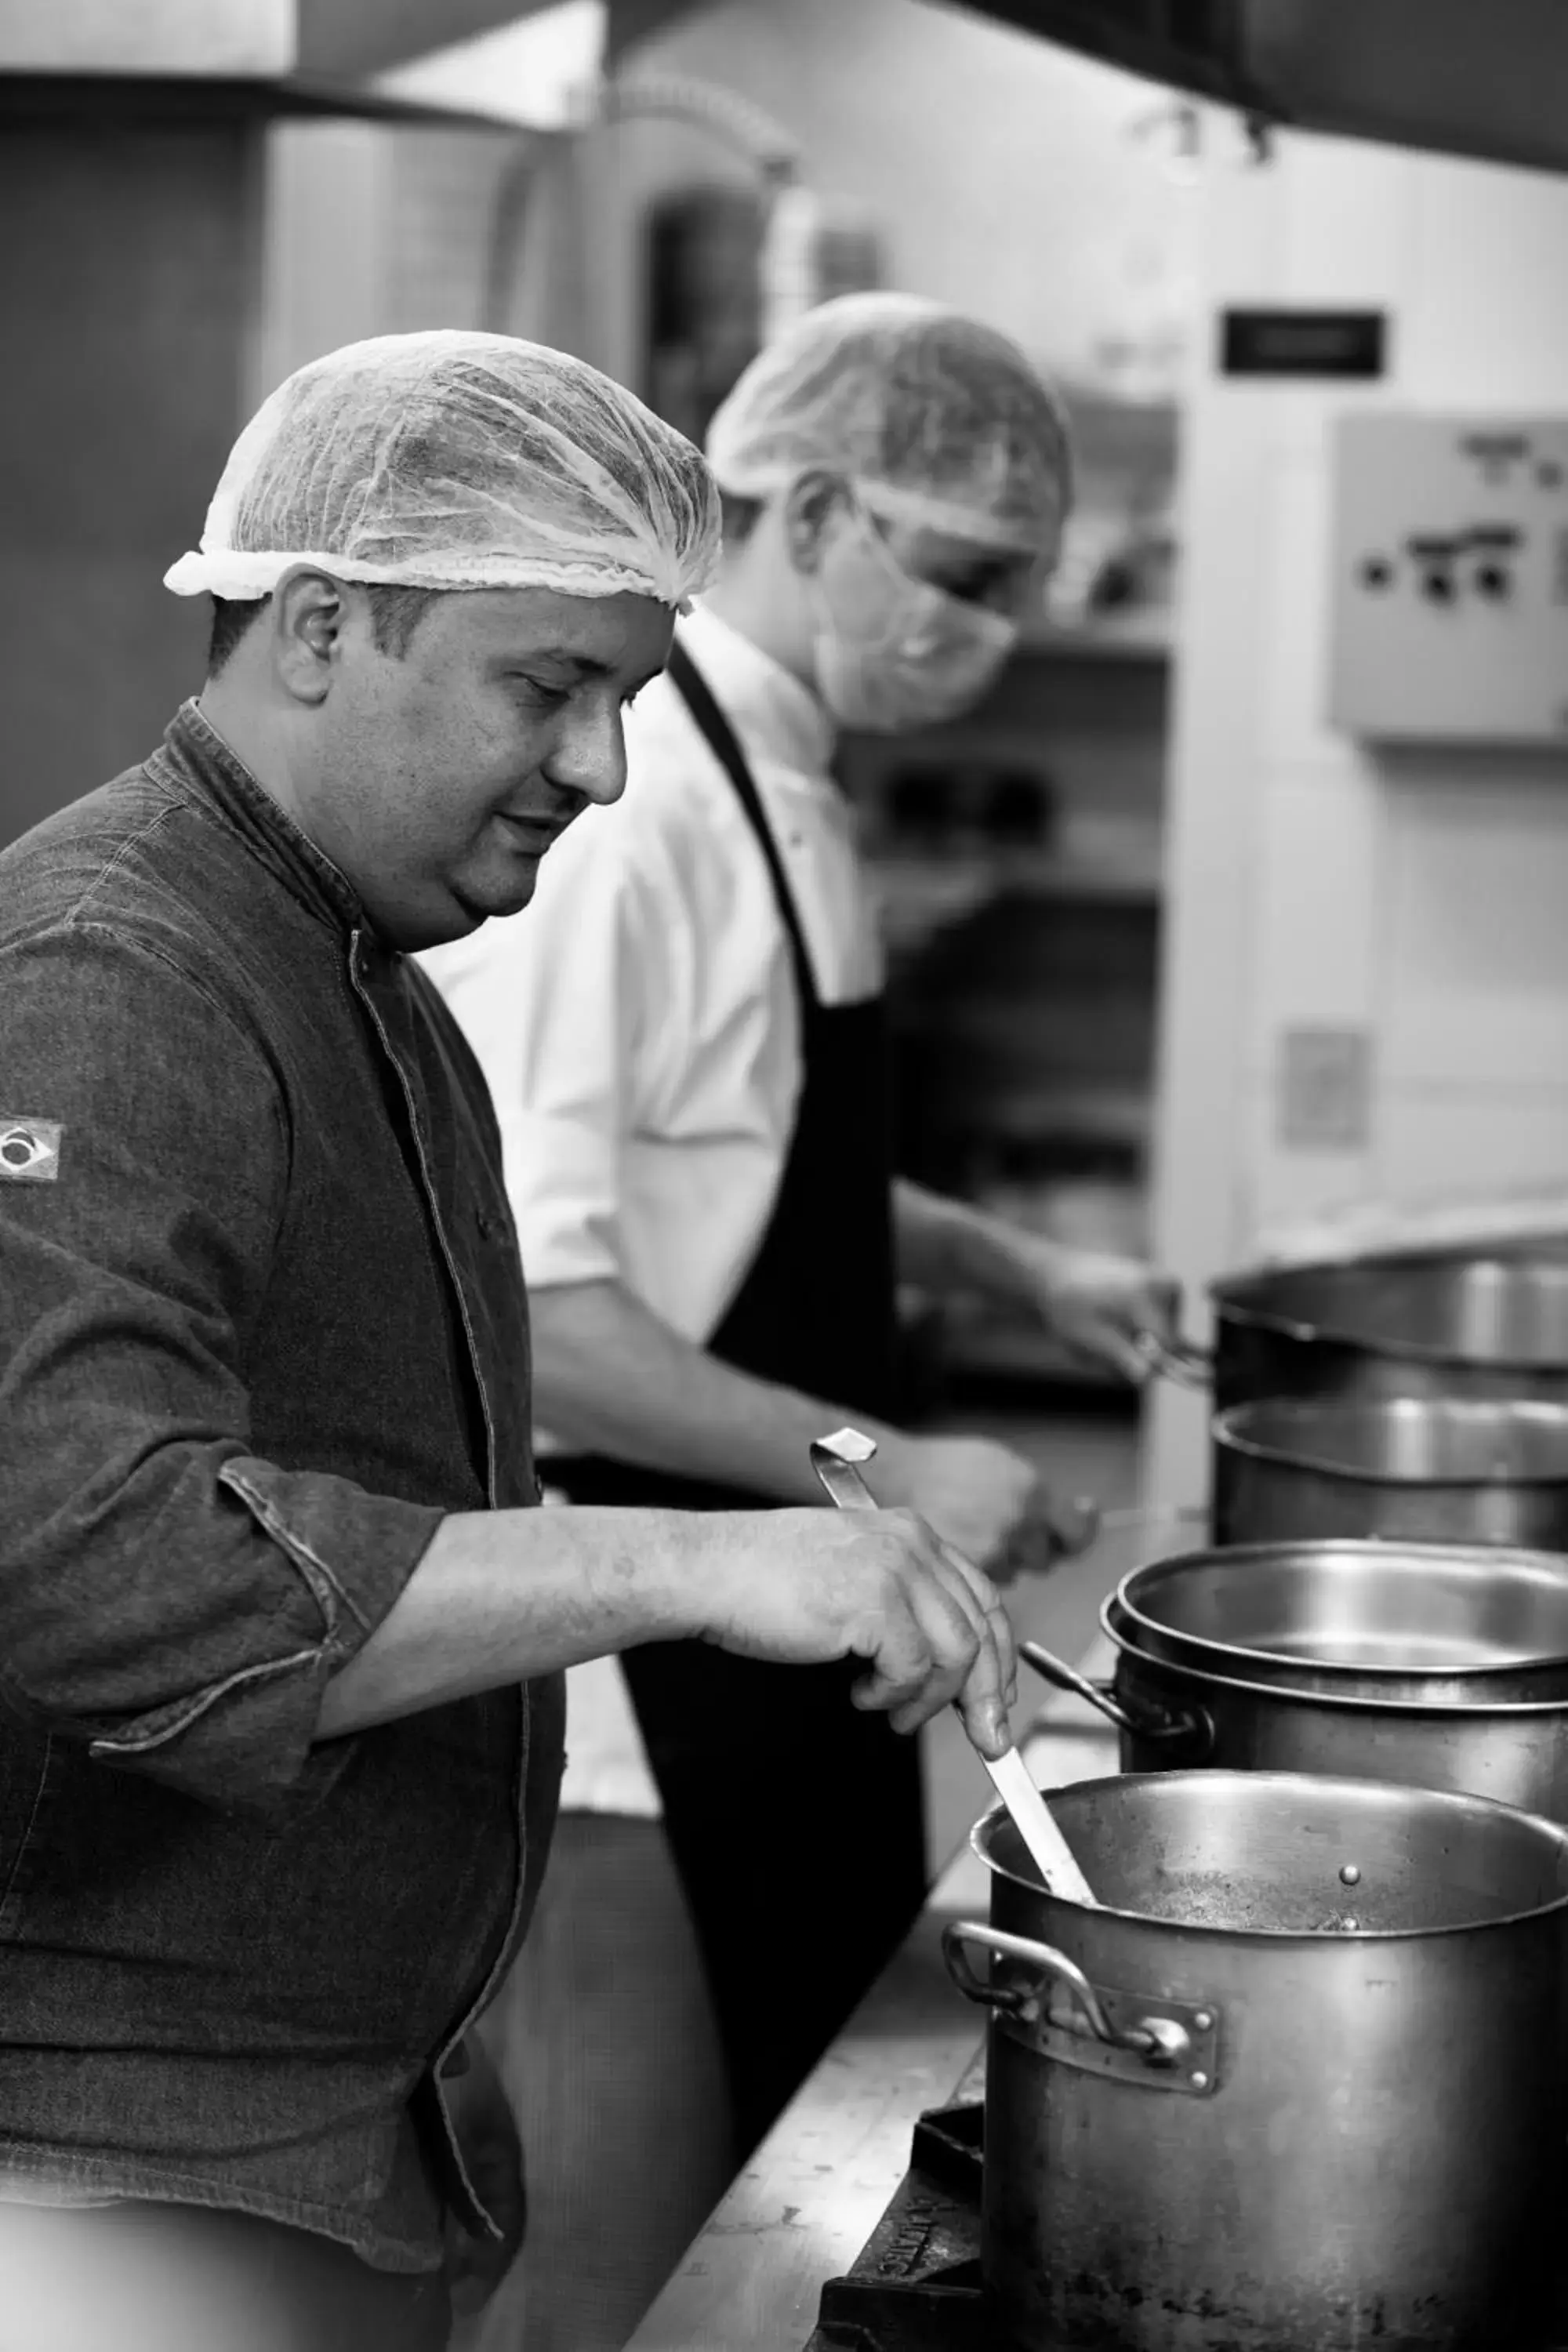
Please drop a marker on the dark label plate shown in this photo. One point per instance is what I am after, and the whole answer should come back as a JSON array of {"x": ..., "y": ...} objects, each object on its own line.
[{"x": 1302, "y": 342}]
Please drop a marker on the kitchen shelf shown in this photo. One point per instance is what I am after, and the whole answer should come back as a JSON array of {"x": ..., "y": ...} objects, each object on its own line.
[
  {"x": 964, "y": 879},
  {"x": 1138, "y": 638},
  {"x": 1116, "y": 1119}
]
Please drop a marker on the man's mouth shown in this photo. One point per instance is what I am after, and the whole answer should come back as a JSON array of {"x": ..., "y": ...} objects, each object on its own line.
[{"x": 533, "y": 835}]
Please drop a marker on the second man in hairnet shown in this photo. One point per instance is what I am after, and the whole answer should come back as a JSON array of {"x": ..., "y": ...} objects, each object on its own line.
[{"x": 684, "y": 1040}]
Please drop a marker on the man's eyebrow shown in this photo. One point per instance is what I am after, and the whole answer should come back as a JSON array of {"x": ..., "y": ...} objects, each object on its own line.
[{"x": 579, "y": 664}]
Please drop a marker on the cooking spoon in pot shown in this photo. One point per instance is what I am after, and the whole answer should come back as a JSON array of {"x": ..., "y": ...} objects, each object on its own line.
[{"x": 835, "y": 1461}]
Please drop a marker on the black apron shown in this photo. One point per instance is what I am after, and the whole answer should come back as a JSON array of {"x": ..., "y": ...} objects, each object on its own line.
[{"x": 796, "y": 1822}]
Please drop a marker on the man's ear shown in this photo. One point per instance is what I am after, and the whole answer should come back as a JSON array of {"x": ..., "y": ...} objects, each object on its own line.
[
  {"x": 309, "y": 611},
  {"x": 811, "y": 505}
]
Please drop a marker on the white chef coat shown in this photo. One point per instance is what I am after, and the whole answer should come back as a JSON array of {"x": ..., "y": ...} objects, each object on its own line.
[{"x": 639, "y": 1028}]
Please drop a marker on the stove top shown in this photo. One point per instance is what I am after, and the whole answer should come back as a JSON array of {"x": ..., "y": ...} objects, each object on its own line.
[{"x": 915, "y": 2287}]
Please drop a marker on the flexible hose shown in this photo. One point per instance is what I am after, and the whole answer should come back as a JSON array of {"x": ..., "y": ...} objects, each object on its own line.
[{"x": 764, "y": 142}]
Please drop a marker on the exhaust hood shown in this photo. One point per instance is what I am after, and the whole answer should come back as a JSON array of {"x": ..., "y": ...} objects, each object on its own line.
[
  {"x": 1485, "y": 79},
  {"x": 173, "y": 60}
]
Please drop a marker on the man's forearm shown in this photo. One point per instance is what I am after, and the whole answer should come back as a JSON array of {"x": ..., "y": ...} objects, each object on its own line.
[
  {"x": 950, "y": 1249},
  {"x": 611, "y": 1378},
  {"x": 502, "y": 1595}
]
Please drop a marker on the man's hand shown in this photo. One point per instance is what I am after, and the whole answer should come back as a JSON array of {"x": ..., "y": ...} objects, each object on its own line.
[
  {"x": 1113, "y": 1309},
  {"x": 985, "y": 1500},
  {"x": 492, "y": 2153},
  {"x": 806, "y": 1587}
]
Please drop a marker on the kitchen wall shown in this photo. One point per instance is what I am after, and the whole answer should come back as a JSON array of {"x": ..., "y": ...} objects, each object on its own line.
[
  {"x": 1000, "y": 173},
  {"x": 1420, "y": 899},
  {"x": 415, "y": 215},
  {"x": 127, "y": 297},
  {"x": 1027, "y": 184}
]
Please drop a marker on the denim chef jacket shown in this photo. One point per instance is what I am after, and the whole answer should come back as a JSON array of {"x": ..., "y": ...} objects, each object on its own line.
[{"x": 262, "y": 1324}]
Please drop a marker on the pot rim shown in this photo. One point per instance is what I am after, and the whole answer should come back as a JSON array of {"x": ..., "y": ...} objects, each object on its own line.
[
  {"x": 1510, "y": 1709},
  {"x": 1271, "y": 1936},
  {"x": 1551, "y": 1566},
  {"x": 1228, "y": 1305},
  {"x": 1277, "y": 1457}
]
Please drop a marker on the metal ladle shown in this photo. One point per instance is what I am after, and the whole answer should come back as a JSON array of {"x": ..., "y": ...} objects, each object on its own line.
[{"x": 835, "y": 1461}]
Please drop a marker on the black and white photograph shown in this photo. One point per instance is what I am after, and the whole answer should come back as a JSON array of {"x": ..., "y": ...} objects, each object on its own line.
[{"x": 783, "y": 1176}]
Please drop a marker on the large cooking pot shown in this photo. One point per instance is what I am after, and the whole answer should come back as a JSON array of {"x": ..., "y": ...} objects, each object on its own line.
[
  {"x": 1408, "y": 1470},
  {"x": 1449, "y": 1623},
  {"x": 1172, "y": 1717},
  {"x": 1219, "y": 2115},
  {"x": 1438, "y": 1324}
]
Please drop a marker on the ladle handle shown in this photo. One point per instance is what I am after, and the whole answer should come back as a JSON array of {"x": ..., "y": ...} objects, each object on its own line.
[
  {"x": 834, "y": 1459},
  {"x": 842, "y": 1483},
  {"x": 1188, "y": 1726}
]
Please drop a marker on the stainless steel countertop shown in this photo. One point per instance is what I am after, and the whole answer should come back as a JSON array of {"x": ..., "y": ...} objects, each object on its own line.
[{"x": 806, "y": 2205}]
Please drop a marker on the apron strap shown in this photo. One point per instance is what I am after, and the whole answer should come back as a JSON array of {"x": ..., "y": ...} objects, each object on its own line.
[{"x": 720, "y": 739}]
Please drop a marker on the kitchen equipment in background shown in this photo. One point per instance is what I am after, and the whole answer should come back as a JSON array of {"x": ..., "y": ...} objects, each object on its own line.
[
  {"x": 1032, "y": 1020},
  {"x": 1117, "y": 554},
  {"x": 1327, "y": 2011},
  {"x": 835, "y": 1461},
  {"x": 1024, "y": 1043},
  {"x": 961, "y": 808},
  {"x": 1434, "y": 77},
  {"x": 1407, "y": 1469},
  {"x": 1529, "y": 1223},
  {"x": 725, "y": 266},
  {"x": 1175, "y": 1717},
  {"x": 1445, "y": 1622},
  {"x": 1450, "y": 621},
  {"x": 1442, "y": 1323},
  {"x": 704, "y": 300}
]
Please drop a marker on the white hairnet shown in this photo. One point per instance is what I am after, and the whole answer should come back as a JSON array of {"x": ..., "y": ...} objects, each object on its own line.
[
  {"x": 933, "y": 416},
  {"x": 458, "y": 460}
]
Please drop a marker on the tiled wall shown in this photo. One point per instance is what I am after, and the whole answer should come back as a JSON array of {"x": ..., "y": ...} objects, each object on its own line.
[
  {"x": 1421, "y": 896},
  {"x": 124, "y": 297},
  {"x": 414, "y": 212}
]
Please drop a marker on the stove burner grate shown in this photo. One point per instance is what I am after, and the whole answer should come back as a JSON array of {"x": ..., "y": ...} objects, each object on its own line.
[{"x": 916, "y": 2288}]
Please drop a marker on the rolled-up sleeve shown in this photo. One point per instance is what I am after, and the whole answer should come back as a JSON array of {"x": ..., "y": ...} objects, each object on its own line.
[
  {"x": 562, "y": 1005},
  {"x": 166, "y": 1597}
]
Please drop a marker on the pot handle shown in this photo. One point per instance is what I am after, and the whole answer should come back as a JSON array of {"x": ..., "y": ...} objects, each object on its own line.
[
  {"x": 1178, "y": 1360},
  {"x": 1191, "y": 1726},
  {"x": 1019, "y": 1999},
  {"x": 1158, "y": 2042}
]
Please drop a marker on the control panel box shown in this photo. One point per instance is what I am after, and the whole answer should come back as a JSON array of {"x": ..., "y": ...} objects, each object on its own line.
[{"x": 1450, "y": 579}]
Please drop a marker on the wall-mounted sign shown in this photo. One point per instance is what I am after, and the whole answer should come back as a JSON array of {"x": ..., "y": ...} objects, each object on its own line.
[{"x": 1302, "y": 342}]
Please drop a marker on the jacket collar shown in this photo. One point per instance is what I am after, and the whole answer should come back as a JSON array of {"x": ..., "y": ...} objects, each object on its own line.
[{"x": 195, "y": 760}]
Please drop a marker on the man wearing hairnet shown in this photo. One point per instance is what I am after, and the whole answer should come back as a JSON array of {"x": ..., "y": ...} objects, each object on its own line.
[
  {"x": 281, "y": 1636},
  {"x": 684, "y": 1043}
]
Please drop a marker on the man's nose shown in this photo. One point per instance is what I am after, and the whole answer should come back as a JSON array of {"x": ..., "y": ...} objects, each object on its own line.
[{"x": 590, "y": 754}]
